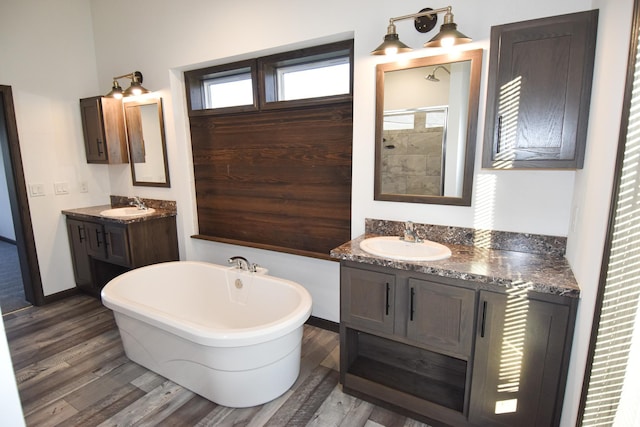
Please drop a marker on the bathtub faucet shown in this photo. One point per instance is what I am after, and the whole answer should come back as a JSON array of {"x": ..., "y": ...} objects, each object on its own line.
[{"x": 243, "y": 264}]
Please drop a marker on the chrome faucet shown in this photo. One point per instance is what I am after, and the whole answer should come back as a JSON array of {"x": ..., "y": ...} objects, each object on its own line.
[
  {"x": 410, "y": 234},
  {"x": 243, "y": 264},
  {"x": 137, "y": 201}
]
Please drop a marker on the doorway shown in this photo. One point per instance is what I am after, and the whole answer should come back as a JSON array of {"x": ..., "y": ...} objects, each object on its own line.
[{"x": 17, "y": 194}]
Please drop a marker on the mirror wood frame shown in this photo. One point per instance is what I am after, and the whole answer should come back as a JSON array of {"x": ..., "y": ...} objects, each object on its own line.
[
  {"x": 133, "y": 134},
  {"x": 475, "y": 58}
]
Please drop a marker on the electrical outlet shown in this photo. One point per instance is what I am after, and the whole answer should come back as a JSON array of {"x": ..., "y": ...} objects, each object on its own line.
[
  {"x": 84, "y": 187},
  {"x": 36, "y": 190},
  {"x": 61, "y": 188}
]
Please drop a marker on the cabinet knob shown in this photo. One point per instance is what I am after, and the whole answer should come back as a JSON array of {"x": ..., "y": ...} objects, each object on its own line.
[{"x": 99, "y": 143}]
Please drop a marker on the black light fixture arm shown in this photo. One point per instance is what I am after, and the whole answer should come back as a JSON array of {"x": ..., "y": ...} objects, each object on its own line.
[
  {"x": 427, "y": 12},
  {"x": 136, "y": 75}
]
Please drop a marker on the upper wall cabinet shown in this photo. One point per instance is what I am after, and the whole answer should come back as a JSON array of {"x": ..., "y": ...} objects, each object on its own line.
[
  {"x": 538, "y": 92},
  {"x": 105, "y": 140}
]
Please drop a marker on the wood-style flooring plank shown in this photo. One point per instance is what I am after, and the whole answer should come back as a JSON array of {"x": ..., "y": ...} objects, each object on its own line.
[
  {"x": 71, "y": 371},
  {"x": 53, "y": 414},
  {"x": 190, "y": 413}
]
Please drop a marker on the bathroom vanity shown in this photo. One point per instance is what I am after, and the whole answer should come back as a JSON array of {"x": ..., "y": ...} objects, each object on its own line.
[
  {"x": 482, "y": 338},
  {"x": 103, "y": 247}
]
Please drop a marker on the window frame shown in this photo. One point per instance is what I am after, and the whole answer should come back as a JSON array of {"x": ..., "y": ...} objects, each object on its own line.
[
  {"x": 269, "y": 65},
  {"x": 264, "y": 77},
  {"x": 195, "y": 81}
]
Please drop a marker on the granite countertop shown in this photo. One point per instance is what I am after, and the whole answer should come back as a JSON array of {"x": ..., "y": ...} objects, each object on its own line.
[
  {"x": 163, "y": 209},
  {"x": 493, "y": 267}
]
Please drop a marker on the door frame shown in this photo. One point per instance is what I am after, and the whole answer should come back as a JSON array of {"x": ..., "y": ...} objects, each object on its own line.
[{"x": 25, "y": 241}]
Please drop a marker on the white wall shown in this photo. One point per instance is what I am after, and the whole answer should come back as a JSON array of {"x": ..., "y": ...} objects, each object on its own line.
[
  {"x": 54, "y": 54},
  {"x": 47, "y": 57}
]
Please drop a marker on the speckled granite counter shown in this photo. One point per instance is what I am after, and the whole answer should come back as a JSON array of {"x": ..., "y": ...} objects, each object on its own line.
[
  {"x": 543, "y": 271},
  {"x": 163, "y": 208}
]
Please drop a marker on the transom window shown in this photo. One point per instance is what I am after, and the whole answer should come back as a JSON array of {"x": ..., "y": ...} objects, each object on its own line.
[
  {"x": 314, "y": 79},
  {"x": 229, "y": 89},
  {"x": 322, "y": 74}
]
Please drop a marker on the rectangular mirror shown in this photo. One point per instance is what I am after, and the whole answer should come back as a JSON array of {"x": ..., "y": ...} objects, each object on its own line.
[
  {"x": 426, "y": 121},
  {"x": 147, "y": 145}
]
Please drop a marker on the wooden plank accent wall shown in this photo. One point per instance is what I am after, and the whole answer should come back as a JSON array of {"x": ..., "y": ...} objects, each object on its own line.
[{"x": 278, "y": 179}]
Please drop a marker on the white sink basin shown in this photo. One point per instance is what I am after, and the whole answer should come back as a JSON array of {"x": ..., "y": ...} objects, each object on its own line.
[
  {"x": 394, "y": 248},
  {"x": 127, "y": 212}
]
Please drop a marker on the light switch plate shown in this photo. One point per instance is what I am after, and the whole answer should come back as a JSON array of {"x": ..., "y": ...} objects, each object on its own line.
[
  {"x": 36, "y": 190},
  {"x": 61, "y": 188}
]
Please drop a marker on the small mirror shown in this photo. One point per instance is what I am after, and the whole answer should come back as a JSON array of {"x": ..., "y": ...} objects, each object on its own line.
[
  {"x": 426, "y": 121},
  {"x": 147, "y": 146}
]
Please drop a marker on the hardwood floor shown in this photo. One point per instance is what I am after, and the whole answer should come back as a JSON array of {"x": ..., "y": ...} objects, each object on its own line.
[{"x": 71, "y": 371}]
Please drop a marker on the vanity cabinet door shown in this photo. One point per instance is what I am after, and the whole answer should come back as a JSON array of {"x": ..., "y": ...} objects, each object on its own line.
[
  {"x": 117, "y": 244},
  {"x": 538, "y": 92},
  {"x": 441, "y": 316},
  {"x": 520, "y": 360},
  {"x": 103, "y": 127},
  {"x": 96, "y": 245},
  {"x": 368, "y": 299},
  {"x": 79, "y": 256}
]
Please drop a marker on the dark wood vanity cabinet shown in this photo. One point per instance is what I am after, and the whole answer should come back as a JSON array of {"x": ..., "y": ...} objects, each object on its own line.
[
  {"x": 105, "y": 140},
  {"x": 439, "y": 348},
  {"x": 102, "y": 250},
  {"x": 538, "y": 92}
]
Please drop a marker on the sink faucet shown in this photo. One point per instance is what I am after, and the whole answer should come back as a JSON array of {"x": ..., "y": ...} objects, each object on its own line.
[
  {"x": 243, "y": 264},
  {"x": 410, "y": 234},
  {"x": 137, "y": 201}
]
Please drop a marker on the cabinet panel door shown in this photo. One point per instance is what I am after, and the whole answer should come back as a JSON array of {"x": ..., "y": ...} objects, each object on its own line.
[
  {"x": 367, "y": 299},
  {"x": 93, "y": 128},
  {"x": 441, "y": 316},
  {"x": 95, "y": 242},
  {"x": 117, "y": 244},
  {"x": 81, "y": 261},
  {"x": 518, "y": 358},
  {"x": 538, "y": 92}
]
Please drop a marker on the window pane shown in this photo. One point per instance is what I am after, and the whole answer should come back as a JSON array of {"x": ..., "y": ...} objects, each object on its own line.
[
  {"x": 312, "y": 80},
  {"x": 229, "y": 91},
  {"x": 398, "y": 121},
  {"x": 435, "y": 119}
]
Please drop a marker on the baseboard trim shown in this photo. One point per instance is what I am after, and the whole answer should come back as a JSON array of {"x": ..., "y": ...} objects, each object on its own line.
[
  {"x": 8, "y": 240},
  {"x": 60, "y": 295},
  {"x": 324, "y": 324}
]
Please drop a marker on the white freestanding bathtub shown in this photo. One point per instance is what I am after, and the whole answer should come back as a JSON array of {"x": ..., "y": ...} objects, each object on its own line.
[{"x": 231, "y": 336}]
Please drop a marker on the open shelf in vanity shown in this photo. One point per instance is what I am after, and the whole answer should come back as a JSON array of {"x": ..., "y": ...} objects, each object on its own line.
[{"x": 410, "y": 370}]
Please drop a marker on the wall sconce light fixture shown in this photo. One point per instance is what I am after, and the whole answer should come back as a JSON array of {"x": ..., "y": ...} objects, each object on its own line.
[
  {"x": 134, "y": 89},
  {"x": 424, "y": 21}
]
